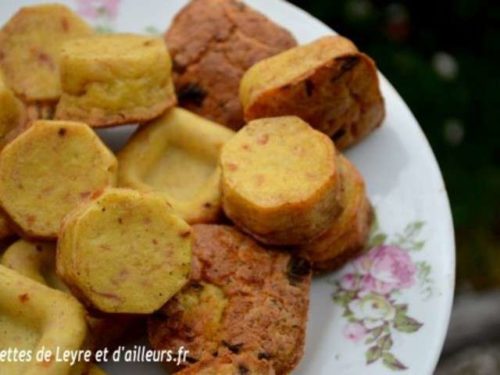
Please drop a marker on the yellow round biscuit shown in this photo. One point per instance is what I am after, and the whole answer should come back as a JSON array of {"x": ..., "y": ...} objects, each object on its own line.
[
  {"x": 125, "y": 252},
  {"x": 115, "y": 79},
  {"x": 48, "y": 170},
  {"x": 177, "y": 156},
  {"x": 328, "y": 83},
  {"x": 280, "y": 181},
  {"x": 30, "y": 43},
  {"x": 349, "y": 232}
]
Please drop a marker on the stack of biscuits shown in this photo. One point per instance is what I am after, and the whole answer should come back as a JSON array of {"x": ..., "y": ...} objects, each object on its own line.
[{"x": 205, "y": 229}]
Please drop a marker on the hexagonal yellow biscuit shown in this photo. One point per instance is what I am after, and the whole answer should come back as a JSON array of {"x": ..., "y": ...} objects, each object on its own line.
[
  {"x": 125, "y": 252},
  {"x": 48, "y": 170},
  {"x": 348, "y": 234},
  {"x": 115, "y": 79},
  {"x": 177, "y": 156},
  {"x": 30, "y": 43},
  {"x": 12, "y": 111},
  {"x": 328, "y": 83},
  {"x": 280, "y": 181},
  {"x": 32, "y": 317}
]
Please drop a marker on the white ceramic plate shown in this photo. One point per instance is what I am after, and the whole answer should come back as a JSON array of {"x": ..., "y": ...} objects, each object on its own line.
[{"x": 388, "y": 310}]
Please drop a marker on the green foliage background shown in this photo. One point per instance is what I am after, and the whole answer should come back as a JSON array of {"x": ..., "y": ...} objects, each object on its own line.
[{"x": 459, "y": 109}]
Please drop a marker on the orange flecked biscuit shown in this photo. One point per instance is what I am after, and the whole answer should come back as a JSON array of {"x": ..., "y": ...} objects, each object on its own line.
[
  {"x": 125, "y": 252},
  {"x": 230, "y": 364},
  {"x": 48, "y": 170},
  {"x": 30, "y": 43},
  {"x": 328, "y": 83},
  {"x": 349, "y": 233},
  {"x": 115, "y": 79},
  {"x": 177, "y": 156},
  {"x": 280, "y": 180},
  {"x": 213, "y": 42},
  {"x": 242, "y": 299}
]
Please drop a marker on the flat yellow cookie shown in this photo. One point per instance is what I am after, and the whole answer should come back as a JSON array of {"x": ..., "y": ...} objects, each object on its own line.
[
  {"x": 125, "y": 252},
  {"x": 48, "y": 170},
  {"x": 177, "y": 156},
  {"x": 115, "y": 79},
  {"x": 280, "y": 180}
]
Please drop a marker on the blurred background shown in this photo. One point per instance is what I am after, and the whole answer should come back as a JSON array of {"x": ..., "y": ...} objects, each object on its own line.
[{"x": 443, "y": 57}]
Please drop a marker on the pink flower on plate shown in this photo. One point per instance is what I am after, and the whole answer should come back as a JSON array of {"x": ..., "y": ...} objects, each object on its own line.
[
  {"x": 94, "y": 9},
  {"x": 350, "y": 281},
  {"x": 386, "y": 268},
  {"x": 354, "y": 331}
]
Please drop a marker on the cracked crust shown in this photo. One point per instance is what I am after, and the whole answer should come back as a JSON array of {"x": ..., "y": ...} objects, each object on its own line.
[
  {"x": 213, "y": 42},
  {"x": 328, "y": 83},
  {"x": 241, "y": 299}
]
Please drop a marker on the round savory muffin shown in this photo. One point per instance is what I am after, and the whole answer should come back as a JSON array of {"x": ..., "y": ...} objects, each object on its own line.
[
  {"x": 328, "y": 83},
  {"x": 230, "y": 364},
  {"x": 213, "y": 42},
  {"x": 280, "y": 181},
  {"x": 241, "y": 299},
  {"x": 50, "y": 169},
  {"x": 115, "y": 79},
  {"x": 349, "y": 233}
]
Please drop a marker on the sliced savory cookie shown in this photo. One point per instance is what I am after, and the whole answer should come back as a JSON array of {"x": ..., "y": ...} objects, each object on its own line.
[
  {"x": 349, "y": 232},
  {"x": 328, "y": 83},
  {"x": 30, "y": 44},
  {"x": 213, "y": 42},
  {"x": 34, "y": 317},
  {"x": 125, "y": 252},
  {"x": 242, "y": 299},
  {"x": 37, "y": 260},
  {"x": 177, "y": 156},
  {"x": 48, "y": 170},
  {"x": 12, "y": 112},
  {"x": 115, "y": 79},
  {"x": 230, "y": 364},
  {"x": 280, "y": 180}
]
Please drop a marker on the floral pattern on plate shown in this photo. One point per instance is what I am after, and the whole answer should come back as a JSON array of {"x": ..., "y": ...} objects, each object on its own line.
[
  {"x": 101, "y": 13},
  {"x": 369, "y": 292}
]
